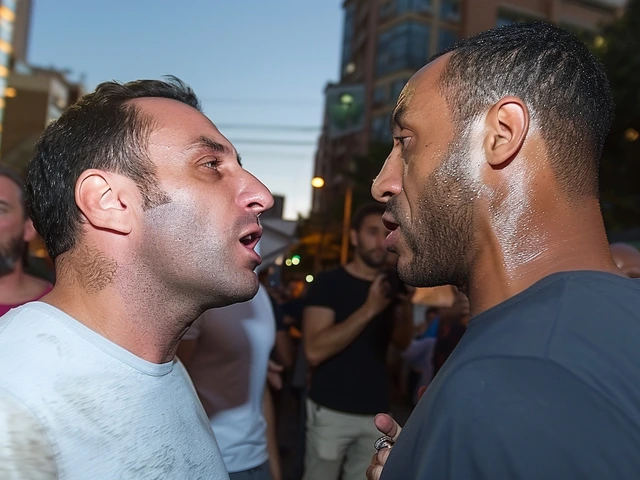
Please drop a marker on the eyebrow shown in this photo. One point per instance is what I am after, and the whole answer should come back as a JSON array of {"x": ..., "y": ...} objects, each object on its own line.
[
  {"x": 216, "y": 147},
  {"x": 397, "y": 117}
]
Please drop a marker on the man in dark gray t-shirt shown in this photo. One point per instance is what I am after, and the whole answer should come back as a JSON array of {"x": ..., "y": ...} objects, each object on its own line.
[{"x": 492, "y": 186}]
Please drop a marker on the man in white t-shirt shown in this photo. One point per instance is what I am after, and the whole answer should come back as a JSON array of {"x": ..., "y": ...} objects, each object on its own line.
[
  {"x": 150, "y": 220},
  {"x": 226, "y": 352}
]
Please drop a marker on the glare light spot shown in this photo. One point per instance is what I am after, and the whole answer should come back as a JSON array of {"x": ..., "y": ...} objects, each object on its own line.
[
  {"x": 317, "y": 182},
  {"x": 309, "y": 278},
  {"x": 288, "y": 262},
  {"x": 631, "y": 134}
]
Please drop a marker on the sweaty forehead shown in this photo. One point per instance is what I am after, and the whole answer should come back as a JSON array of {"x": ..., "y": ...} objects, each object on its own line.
[{"x": 422, "y": 92}]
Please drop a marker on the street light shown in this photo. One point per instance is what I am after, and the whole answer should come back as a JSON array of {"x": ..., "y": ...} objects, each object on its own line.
[{"x": 346, "y": 217}]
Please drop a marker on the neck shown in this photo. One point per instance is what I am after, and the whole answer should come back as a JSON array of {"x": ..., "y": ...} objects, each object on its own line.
[
  {"x": 150, "y": 325},
  {"x": 358, "y": 268},
  {"x": 17, "y": 287},
  {"x": 559, "y": 239}
]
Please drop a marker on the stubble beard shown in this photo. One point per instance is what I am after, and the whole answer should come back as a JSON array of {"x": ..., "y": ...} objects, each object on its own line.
[
  {"x": 440, "y": 237},
  {"x": 11, "y": 254}
]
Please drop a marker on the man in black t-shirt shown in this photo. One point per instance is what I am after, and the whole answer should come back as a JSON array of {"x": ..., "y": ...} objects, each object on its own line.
[
  {"x": 492, "y": 186},
  {"x": 351, "y": 315}
]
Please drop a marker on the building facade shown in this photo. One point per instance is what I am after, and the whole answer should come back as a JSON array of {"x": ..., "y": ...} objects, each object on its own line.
[{"x": 386, "y": 41}]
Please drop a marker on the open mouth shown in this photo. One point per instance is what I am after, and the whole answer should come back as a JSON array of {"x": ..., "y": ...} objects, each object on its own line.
[
  {"x": 251, "y": 240},
  {"x": 389, "y": 223}
]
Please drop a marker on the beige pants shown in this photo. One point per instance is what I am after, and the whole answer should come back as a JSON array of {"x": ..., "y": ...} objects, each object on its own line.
[{"x": 338, "y": 442}]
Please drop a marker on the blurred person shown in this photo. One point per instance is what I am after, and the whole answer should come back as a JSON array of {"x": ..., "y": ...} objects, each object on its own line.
[
  {"x": 16, "y": 231},
  {"x": 150, "y": 220},
  {"x": 226, "y": 352},
  {"x": 627, "y": 258},
  {"x": 351, "y": 317},
  {"x": 492, "y": 186}
]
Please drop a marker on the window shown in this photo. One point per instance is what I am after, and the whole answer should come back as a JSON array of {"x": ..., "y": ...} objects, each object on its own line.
[
  {"x": 396, "y": 88},
  {"x": 347, "y": 36},
  {"x": 399, "y": 7},
  {"x": 446, "y": 38},
  {"x": 6, "y": 30},
  {"x": 381, "y": 94},
  {"x": 450, "y": 10},
  {"x": 507, "y": 17},
  {"x": 405, "y": 46},
  {"x": 380, "y": 128}
]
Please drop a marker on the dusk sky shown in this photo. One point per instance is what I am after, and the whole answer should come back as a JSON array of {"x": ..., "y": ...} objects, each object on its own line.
[{"x": 257, "y": 66}]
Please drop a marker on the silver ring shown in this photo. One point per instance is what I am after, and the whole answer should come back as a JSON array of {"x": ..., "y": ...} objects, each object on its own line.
[{"x": 384, "y": 441}]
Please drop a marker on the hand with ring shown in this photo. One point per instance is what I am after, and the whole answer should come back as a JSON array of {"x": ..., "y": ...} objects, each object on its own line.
[{"x": 390, "y": 431}]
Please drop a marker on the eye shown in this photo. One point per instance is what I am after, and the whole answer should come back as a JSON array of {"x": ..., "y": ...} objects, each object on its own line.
[
  {"x": 213, "y": 164},
  {"x": 403, "y": 141}
]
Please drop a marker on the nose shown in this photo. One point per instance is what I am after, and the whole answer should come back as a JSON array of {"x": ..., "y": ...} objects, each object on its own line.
[
  {"x": 255, "y": 196},
  {"x": 388, "y": 183}
]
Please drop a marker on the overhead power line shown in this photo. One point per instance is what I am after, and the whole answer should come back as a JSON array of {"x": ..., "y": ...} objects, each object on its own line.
[
  {"x": 271, "y": 128},
  {"x": 259, "y": 141}
]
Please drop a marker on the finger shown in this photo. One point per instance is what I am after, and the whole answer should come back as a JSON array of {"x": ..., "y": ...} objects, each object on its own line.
[
  {"x": 275, "y": 367},
  {"x": 387, "y": 425},
  {"x": 374, "y": 472},
  {"x": 383, "y": 455},
  {"x": 421, "y": 391},
  {"x": 375, "y": 469},
  {"x": 275, "y": 380}
]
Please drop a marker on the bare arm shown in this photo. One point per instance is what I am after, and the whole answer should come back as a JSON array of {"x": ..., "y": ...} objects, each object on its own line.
[
  {"x": 272, "y": 440},
  {"x": 284, "y": 349},
  {"x": 323, "y": 338}
]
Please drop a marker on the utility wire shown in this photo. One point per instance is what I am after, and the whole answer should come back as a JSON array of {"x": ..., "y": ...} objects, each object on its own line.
[{"x": 271, "y": 128}]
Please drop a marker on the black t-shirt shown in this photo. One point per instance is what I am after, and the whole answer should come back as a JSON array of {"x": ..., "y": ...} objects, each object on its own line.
[
  {"x": 355, "y": 379},
  {"x": 545, "y": 385}
]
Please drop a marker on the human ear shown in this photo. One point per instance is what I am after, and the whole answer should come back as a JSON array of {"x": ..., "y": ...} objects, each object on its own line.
[
  {"x": 106, "y": 200},
  {"x": 507, "y": 125}
]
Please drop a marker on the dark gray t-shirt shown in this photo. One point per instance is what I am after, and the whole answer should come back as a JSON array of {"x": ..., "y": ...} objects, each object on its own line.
[{"x": 543, "y": 386}]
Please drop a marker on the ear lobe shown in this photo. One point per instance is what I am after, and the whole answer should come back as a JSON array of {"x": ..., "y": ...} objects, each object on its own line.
[
  {"x": 29, "y": 231},
  {"x": 507, "y": 128},
  {"x": 104, "y": 200},
  {"x": 353, "y": 235}
]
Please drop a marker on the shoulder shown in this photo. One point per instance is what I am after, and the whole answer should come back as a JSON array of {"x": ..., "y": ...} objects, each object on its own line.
[
  {"x": 25, "y": 451},
  {"x": 510, "y": 417}
]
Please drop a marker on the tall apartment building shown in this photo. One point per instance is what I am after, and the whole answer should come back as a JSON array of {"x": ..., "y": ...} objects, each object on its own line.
[
  {"x": 386, "y": 41},
  {"x": 14, "y": 33}
]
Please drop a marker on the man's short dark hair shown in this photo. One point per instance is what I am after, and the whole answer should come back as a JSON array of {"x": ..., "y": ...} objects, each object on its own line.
[
  {"x": 562, "y": 83},
  {"x": 364, "y": 211},
  {"x": 12, "y": 175},
  {"x": 103, "y": 130}
]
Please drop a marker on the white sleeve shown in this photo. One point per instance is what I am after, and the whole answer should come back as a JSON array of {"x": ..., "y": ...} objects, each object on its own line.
[{"x": 25, "y": 452}]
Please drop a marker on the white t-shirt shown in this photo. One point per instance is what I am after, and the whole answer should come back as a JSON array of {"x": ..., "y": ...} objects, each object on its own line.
[
  {"x": 74, "y": 405},
  {"x": 228, "y": 368}
]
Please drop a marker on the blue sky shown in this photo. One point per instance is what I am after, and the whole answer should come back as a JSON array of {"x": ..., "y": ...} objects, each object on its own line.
[{"x": 252, "y": 63}]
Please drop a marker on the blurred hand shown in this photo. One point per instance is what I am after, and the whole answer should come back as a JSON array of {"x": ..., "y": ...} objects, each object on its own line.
[
  {"x": 274, "y": 377},
  {"x": 406, "y": 297},
  {"x": 377, "y": 299}
]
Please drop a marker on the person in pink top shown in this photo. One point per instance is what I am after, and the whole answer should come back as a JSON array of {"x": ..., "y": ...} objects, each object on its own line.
[{"x": 16, "y": 230}]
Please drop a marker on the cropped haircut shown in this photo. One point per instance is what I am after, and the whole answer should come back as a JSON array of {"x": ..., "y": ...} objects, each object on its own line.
[
  {"x": 104, "y": 130},
  {"x": 560, "y": 80},
  {"x": 364, "y": 211}
]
